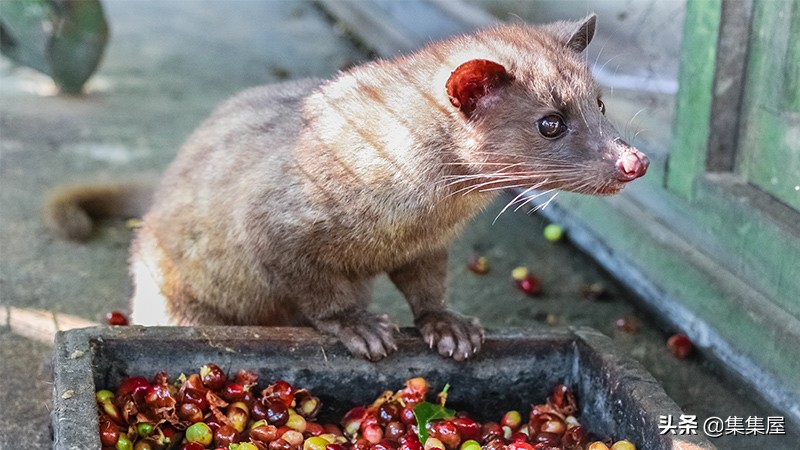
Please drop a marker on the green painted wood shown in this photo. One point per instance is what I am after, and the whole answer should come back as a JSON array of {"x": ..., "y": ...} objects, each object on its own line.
[
  {"x": 749, "y": 322},
  {"x": 770, "y": 147},
  {"x": 747, "y": 232},
  {"x": 751, "y": 240},
  {"x": 763, "y": 250},
  {"x": 792, "y": 71},
  {"x": 693, "y": 107}
]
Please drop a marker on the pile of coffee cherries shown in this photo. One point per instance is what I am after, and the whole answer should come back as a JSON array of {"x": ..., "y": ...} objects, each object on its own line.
[{"x": 209, "y": 410}]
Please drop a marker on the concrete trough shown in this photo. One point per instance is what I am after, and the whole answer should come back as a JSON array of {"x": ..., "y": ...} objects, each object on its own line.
[{"x": 515, "y": 368}]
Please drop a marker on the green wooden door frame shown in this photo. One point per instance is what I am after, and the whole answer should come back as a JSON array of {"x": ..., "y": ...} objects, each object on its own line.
[
  {"x": 770, "y": 132},
  {"x": 691, "y": 129},
  {"x": 762, "y": 233}
]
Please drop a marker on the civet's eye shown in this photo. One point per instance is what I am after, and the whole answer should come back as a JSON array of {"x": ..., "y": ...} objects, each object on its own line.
[
  {"x": 551, "y": 126},
  {"x": 602, "y": 106}
]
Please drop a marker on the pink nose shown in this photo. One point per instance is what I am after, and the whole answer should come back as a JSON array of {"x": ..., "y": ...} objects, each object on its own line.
[{"x": 632, "y": 166}]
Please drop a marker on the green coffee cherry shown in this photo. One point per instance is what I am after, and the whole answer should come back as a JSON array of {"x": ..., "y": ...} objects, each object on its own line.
[
  {"x": 553, "y": 232},
  {"x": 104, "y": 395},
  {"x": 200, "y": 433},
  {"x": 144, "y": 429},
  {"x": 124, "y": 443}
]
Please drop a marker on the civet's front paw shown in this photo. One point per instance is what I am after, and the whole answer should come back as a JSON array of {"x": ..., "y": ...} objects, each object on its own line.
[
  {"x": 366, "y": 335},
  {"x": 453, "y": 335}
]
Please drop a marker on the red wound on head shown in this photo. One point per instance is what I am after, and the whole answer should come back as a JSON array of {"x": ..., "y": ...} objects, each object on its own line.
[{"x": 473, "y": 80}]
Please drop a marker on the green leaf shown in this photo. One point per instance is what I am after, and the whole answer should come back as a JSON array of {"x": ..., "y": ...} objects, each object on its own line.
[
  {"x": 425, "y": 412},
  {"x": 64, "y": 39}
]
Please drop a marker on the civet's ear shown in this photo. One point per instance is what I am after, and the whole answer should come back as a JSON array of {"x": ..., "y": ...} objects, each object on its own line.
[
  {"x": 576, "y": 35},
  {"x": 474, "y": 80}
]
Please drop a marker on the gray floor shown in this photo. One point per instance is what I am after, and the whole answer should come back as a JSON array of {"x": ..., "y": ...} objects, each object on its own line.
[{"x": 167, "y": 65}]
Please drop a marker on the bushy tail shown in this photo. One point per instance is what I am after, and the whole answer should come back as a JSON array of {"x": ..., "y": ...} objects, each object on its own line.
[{"x": 70, "y": 211}]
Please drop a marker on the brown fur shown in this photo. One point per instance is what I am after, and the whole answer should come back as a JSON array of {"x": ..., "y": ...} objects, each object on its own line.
[{"x": 289, "y": 199}]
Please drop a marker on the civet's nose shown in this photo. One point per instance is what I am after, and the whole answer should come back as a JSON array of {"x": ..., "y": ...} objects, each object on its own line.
[{"x": 632, "y": 165}]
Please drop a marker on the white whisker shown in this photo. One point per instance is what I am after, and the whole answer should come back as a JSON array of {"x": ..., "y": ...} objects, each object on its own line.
[
  {"x": 628, "y": 125},
  {"x": 532, "y": 198},
  {"x": 521, "y": 194},
  {"x": 543, "y": 205}
]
